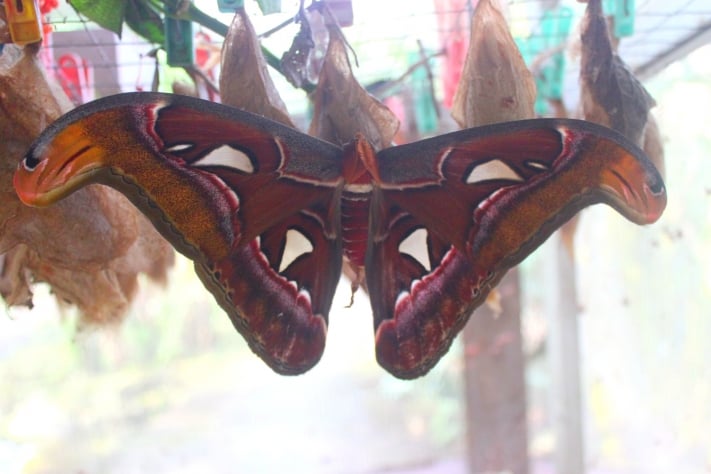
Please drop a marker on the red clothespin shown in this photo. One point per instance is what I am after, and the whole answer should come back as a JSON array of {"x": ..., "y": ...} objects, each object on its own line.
[
  {"x": 24, "y": 21},
  {"x": 76, "y": 76}
]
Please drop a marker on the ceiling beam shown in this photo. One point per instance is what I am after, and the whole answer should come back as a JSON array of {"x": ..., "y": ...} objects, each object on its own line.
[{"x": 698, "y": 38}]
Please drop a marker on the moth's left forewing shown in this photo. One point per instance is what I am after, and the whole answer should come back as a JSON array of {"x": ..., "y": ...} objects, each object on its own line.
[
  {"x": 482, "y": 200},
  {"x": 229, "y": 189},
  {"x": 278, "y": 281}
]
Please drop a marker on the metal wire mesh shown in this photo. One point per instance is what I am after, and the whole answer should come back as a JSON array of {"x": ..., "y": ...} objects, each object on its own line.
[{"x": 663, "y": 32}]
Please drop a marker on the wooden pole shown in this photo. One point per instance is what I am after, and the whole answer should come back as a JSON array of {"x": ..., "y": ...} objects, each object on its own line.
[
  {"x": 495, "y": 385},
  {"x": 564, "y": 353}
]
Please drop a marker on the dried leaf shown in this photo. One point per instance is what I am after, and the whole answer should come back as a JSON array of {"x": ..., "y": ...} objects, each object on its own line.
[
  {"x": 107, "y": 227},
  {"x": 89, "y": 247},
  {"x": 611, "y": 95},
  {"x": 245, "y": 81},
  {"x": 496, "y": 85},
  {"x": 342, "y": 107},
  {"x": 16, "y": 277},
  {"x": 28, "y": 102},
  {"x": 295, "y": 61}
]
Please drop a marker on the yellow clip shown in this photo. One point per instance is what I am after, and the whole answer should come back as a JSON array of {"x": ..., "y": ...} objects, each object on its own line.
[{"x": 24, "y": 20}]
